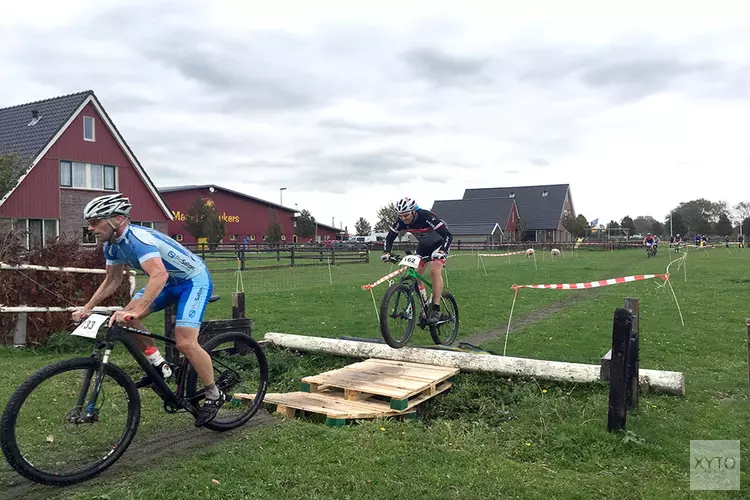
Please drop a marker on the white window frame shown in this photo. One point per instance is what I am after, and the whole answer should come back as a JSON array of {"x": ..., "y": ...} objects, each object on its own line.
[
  {"x": 27, "y": 241},
  {"x": 93, "y": 129},
  {"x": 87, "y": 166},
  {"x": 144, "y": 223}
]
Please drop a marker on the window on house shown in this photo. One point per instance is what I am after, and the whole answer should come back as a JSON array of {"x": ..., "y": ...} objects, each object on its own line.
[
  {"x": 252, "y": 237},
  {"x": 88, "y": 128},
  {"x": 88, "y": 237},
  {"x": 178, "y": 237},
  {"x": 97, "y": 176},
  {"x": 283, "y": 237},
  {"x": 35, "y": 233},
  {"x": 143, "y": 223},
  {"x": 81, "y": 175},
  {"x": 109, "y": 177},
  {"x": 233, "y": 237}
]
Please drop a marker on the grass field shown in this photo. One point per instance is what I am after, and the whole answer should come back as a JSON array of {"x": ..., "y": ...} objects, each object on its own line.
[{"x": 490, "y": 436}]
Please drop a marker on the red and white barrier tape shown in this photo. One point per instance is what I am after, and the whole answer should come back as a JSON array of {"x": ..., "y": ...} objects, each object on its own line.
[
  {"x": 595, "y": 284},
  {"x": 384, "y": 278}
]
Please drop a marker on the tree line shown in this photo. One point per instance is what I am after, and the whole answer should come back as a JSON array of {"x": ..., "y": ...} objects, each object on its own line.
[
  {"x": 700, "y": 216},
  {"x": 693, "y": 217}
]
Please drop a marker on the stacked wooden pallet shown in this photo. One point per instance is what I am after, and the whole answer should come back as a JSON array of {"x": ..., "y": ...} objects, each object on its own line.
[{"x": 374, "y": 388}]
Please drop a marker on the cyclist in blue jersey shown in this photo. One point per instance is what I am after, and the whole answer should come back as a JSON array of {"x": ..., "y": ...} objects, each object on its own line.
[{"x": 175, "y": 276}]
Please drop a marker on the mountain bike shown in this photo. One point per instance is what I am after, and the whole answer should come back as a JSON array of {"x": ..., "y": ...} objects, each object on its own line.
[
  {"x": 52, "y": 413},
  {"x": 651, "y": 250},
  {"x": 403, "y": 293}
]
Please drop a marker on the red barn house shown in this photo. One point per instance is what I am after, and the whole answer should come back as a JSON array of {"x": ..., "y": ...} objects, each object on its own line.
[
  {"x": 245, "y": 215},
  {"x": 62, "y": 153}
]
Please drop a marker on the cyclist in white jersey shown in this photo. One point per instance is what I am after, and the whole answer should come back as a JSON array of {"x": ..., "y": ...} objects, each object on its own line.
[{"x": 175, "y": 276}]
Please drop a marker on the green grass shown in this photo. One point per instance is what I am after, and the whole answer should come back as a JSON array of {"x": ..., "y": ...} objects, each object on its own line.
[{"x": 490, "y": 436}]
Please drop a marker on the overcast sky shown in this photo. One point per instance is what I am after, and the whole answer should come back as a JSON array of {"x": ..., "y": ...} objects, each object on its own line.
[{"x": 350, "y": 106}]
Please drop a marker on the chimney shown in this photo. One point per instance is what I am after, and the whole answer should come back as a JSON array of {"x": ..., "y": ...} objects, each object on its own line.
[{"x": 35, "y": 114}]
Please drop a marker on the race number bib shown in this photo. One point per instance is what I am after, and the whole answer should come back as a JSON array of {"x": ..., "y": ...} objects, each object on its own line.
[
  {"x": 411, "y": 261},
  {"x": 90, "y": 326}
]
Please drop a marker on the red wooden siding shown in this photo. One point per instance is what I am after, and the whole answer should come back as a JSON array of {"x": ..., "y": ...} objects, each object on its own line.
[
  {"x": 244, "y": 216},
  {"x": 104, "y": 150},
  {"x": 328, "y": 234},
  {"x": 38, "y": 195},
  {"x": 512, "y": 224},
  {"x": 567, "y": 205}
]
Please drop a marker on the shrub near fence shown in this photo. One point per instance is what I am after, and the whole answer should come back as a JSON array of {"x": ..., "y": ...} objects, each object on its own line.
[
  {"x": 49, "y": 289},
  {"x": 224, "y": 257}
]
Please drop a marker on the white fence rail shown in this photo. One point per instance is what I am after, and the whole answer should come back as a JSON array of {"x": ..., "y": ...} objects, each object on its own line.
[{"x": 19, "y": 334}]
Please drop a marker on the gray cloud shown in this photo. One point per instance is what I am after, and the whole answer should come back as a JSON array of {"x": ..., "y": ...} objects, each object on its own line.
[
  {"x": 337, "y": 107},
  {"x": 439, "y": 67},
  {"x": 374, "y": 128},
  {"x": 539, "y": 162}
]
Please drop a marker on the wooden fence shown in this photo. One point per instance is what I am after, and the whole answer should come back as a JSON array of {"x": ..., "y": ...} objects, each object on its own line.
[{"x": 223, "y": 257}]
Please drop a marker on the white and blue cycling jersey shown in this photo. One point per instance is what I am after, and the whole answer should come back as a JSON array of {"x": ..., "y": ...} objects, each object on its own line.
[
  {"x": 189, "y": 284},
  {"x": 138, "y": 244}
]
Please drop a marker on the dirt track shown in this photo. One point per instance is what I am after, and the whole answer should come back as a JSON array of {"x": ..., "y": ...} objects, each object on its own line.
[
  {"x": 529, "y": 319},
  {"x": 147, "y": 450}
]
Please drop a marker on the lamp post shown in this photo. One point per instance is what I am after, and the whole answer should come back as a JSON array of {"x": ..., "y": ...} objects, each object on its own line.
[{"x": 281, "y": 196}]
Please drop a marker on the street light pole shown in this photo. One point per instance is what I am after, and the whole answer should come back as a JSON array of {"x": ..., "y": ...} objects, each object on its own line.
[
  {"x": 671, "y": 216},
  {"x": 281, "y": 196}
]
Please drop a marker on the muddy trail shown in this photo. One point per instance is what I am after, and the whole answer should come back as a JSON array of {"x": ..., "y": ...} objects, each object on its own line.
[
  {"x": 529, "y": 319},
  {"x": 148, "y": 451}
]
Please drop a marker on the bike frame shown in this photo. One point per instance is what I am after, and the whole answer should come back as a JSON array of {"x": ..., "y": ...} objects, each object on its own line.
[
  {"x": 118, "y": 333},
  {"x": 412, "y": 274}
]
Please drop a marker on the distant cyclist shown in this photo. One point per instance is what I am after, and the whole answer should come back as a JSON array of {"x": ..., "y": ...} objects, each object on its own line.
[
  {"x": 176, "y": 276},
  {"x": 434, "y": 241}
]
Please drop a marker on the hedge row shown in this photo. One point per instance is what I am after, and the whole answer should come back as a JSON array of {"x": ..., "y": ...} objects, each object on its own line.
[{"x": 48, "y": 288}]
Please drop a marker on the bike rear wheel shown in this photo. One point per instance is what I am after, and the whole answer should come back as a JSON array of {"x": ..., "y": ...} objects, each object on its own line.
[
  {"x": 240, "y": 371},
  {"x": 42, "y": 433},
  {"x": 446, "y": 333},
  {"x": 395, "y": 296}
]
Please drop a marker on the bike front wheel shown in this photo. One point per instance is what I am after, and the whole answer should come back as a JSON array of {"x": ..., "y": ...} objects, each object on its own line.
[
  {"x": 45, "y": 434},
  {"x": 240, "y": 371},
  {"x": 446, "y": 331},
  {"x": 398, "y": 315}
]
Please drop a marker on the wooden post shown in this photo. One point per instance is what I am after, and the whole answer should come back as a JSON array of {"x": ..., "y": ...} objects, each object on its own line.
[
  {"x": 634, "y": 306},
  {"x": 291, "y": 255},
  {"x": 238, "y": 305},
  {"x": 19, "y": 334},
  {"x": 172, "y": 355},
  {"x": 333, "y": 255},
  {"x": 621, "y": 327},
  {"x": 238, "y": 311},
  {"x": 242, "y": 259}
]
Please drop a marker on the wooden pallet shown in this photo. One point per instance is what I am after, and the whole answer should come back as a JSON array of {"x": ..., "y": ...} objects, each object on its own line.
[
  {"x": 399, "y": 382},
  {"x": 374, "y": 388}
]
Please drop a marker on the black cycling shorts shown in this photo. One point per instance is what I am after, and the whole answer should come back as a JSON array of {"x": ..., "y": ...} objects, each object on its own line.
[{"x": 426, "y": 251}]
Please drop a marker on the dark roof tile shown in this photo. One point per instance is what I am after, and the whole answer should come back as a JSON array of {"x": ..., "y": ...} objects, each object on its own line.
[
  {"x": 27, "y": 141},
  {"x": 474, "y": 214},
  {"x": 538, "y": 211}
]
